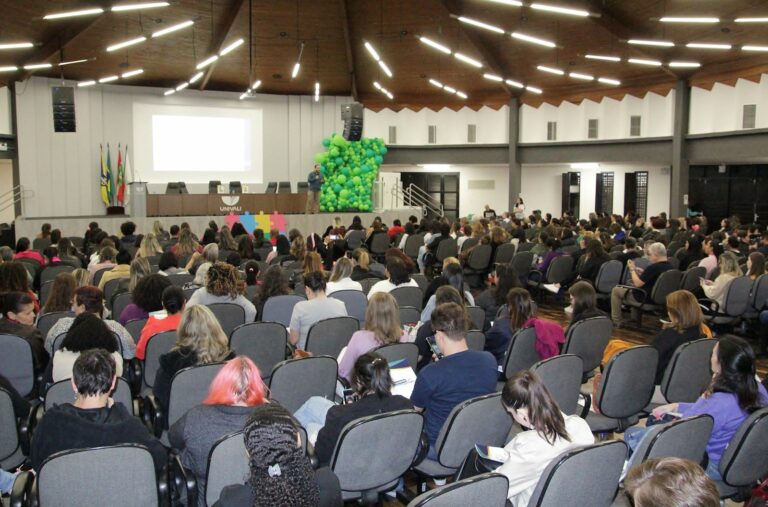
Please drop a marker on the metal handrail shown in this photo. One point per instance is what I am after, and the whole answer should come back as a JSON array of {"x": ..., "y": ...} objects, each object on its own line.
[
  {"x": 416, "y": 196},
  {"x": 11, "y": 197}
]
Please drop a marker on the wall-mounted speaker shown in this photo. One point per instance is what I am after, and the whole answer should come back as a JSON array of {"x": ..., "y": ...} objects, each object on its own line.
[
  {"x": 352, "y": 116},
  {"x": 63, "y": 102}
]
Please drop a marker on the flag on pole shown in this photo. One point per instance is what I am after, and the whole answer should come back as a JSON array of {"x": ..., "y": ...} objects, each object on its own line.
[
  {"x": 110, "y": 186},
  {"x": 106, "y": 180},
  {"x": 128, "y": 170},
  {"x": 120, "y": 177}
]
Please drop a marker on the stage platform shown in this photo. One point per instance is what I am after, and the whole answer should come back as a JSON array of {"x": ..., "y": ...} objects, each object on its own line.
[{"x": 76, "y": 226}]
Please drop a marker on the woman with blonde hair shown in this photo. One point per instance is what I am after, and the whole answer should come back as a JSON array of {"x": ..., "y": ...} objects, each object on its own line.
[
  {"x": 362, "y": 269},
  {"x": 312, "y": 262},
  {"x": 186, "y": 245},
  {"x": 226, "y": 240},
  {"x": 140, "y": 268},
  {"x": 382, "y": 327},
  {"x": 222, "y": 285},
  {"x": 298, "y": 250},
  {"x": 729, "y": 270},
  {"x": 201, "y": 340},
  {"x": 341, "y": 277},
  {"x": 160, "y": 233},
  {"x": 150, "y": 246},
  {"x": 81, "y": 277}
]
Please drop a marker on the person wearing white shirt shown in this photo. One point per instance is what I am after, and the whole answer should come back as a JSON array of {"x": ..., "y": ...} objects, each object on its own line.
[
  {"x": 340, "y": 277},
  {"x": 397, "y": 273}
]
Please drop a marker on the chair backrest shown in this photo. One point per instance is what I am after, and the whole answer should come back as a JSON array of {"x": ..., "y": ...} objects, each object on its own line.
[
  {"x": 408, "y": 296},
  {"x": 480, "y": 419},
  {"x": 227, "y": 464},
  {"x": 477, "y": 316},
  {"x": 668, "y": 282},
  {"x": 479, "y": 258},
  {"x": 489, "y": 490},
  {"x": 134, "y": 328},
  {"x": 41, "y": 243},
  {"x": 180, "y": 279},
  {"x": 61, "y": 477},
  {"x": 759, "y": 295},
  {"x": 628, "y": 382},
  {"x": 61, "y": 392},
  {"x": 398, "y": 351},
  {"x": 691, "y": 277},
  {"x": 504, "y": 253},
  {"x": 364, "y": 438},
  {"x": 608, "y": 276},
  {"x": 328, "y": 337},
  {"x": 562, "y": 376},
  {"x": 280, "y": 308},
  {"x": 379, "y": 243},
  {"x": 47, "y": 320},
  {"x": 521, "y": 354},
  {"x": 109, "y": 289},
  {"x": 409, "y": 315},
  {"x": 294, "y": 381},
  {"x": 229, "y": 315},
  {"x": 745, "y": 460},
  {"x": 446, "y": 248},
  {"x": 587, "y": 339},
  {"x": 9, "y": 433},
  {"x": 737, "y": 297},
  {"x": 475, "y": 340},
  {"x": 583, "y": 476},
  {"x": 355, "y": 301},
  {"x": 158, "y": 344},
  {"x": 262, "y": 342},
  {"x": 45, "y": 291},
  {"x": 50, "y": 272},
  {"x": 355, "y": 239},
  {"x": 367, "y": 283},
  {"x": 412, "y": 244},
  {"x": 120, "y": 302},
  {"x": 560, "y": 269},
  {"x": 469, "y": 243},
  {"x": 16, "y": 363},
  {"x": 189, "y": 388},
  {"x": 688, "y": 373},
  {"x": 685, "y": 438},
  {"x": 420, "y": 279}
]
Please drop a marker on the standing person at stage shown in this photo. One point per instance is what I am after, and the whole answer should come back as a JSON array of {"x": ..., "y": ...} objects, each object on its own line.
[{"x": 315, "y": 180}]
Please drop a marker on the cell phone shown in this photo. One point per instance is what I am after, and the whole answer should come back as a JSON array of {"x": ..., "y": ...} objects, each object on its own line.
[
  {"x": 435, "y": 347},
  {"x": 274, "y": 248},
  {"x": 333, "y": 237}
]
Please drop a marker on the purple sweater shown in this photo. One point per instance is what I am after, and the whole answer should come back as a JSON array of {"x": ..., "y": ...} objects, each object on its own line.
[
  {"x": 362, "y": 342},
  {"x": 132, "y": 312},
  {"x": 728, "y": 416}
]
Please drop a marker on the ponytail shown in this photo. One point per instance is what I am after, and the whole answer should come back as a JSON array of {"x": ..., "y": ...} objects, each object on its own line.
[
  {"x": 251, "y": 272},
  {"x": 371, "y": 376}
]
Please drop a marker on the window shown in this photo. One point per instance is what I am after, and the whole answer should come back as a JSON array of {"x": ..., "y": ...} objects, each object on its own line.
[
  {"x": 749, "y": 116},
  {"x": 604, "y": 193},
  {"x": 551, "y": 131},
  {"x": 592, "y": 129},
  {"x": 634, "y": 126},
  {"x": 392, "y": 135},
  {"x": 432, "y": 135},
  {"x": 471, "y": 133}
]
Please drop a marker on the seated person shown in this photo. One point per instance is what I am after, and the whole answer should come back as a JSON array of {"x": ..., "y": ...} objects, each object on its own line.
[
  {"x": 398, "y": 275},
  {"x": 169, "y": 265},
  {"x": 146, "y": 298},
  {"x": 362, "y": 269},
  {"x": 280, "y": 472},
  {"x": 120, "y": 271},
  {"x": 641, "y": 278},
  {"x": 583, "y": 302},
  {"x": 89, "y": 299},
  {"x": 93, "y": 419},
  {"x": 444, "y": 294},
  {"x": 459, "y": 375},
  {"x": 733, "y": 394},
  {"x": 234, "y": 392},
  {"x": 87, "y": 332},
  {"x": 222, "y": 285},
  {"x": 174, "y": 303},
  {"x": 491, "y": 299},
  {"x": 671, "y": 482},
  {"x": 18, "y": 319},
  {"x": 372, "y": 386},
  {"x": 317, "y": 307},
  {"x": 453, "y": 275},
  {"x": 274, "y": 283},
  {"x": 341, "y": 277},
  {"x": 382, "y": 327}
]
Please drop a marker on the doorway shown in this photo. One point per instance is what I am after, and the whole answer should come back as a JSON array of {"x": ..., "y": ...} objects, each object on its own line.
[{"x": 442, "y": 187}]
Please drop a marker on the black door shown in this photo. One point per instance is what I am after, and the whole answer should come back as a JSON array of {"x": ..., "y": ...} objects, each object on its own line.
[{"x": 441, "y": 187}]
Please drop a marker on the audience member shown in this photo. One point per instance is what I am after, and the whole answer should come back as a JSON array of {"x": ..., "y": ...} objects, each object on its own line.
[
  {"x": 317, "y": 307},
  {"x": 426, "y": 333},
  {"x": 583, "y": 302},
  {"x": 105, "y": 259},
  {"x": 62, "y": 294},
  {"x": 18, "y": 318},
  {"x": 756, "y": 266},
  {"x": 81, "y": 277},
  {"x": 641, "y": 278},
  {"x": 86, "y": 332},
  {"x": 693, "y": 253},
  {"x": 398, "y": 276},
  {"x": 251, "y": 270},
  {"x": 121, "y": 270},
  {"x": 173, "y": 301},
  {"x": 729, "y": 270},
  {"x": 169, "y": 265},
  {"x": 275, "y": 283},
  {"x": 223, "y": 286},
  {"x": 362, "y": 269},
  {"x": 14, "y": 278},
  {"x": 150, "y": 246},
  {"x": 594, "y": 257},
  {"x": 670, "y": 482},
  {"x": 453, "y": 275},
  {"x": 145, "y": 298},
  {"x": 341, "y": 277},
  {"x": 24, "y": 251},
  {"x": 503, "y": 278}
]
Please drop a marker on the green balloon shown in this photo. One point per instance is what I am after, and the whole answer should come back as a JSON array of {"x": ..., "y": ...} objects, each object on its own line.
[
  {"x": 345, "y": 171},
  {"x": 337, "y": 140},
  {"x": 349, "y": 184},
  {"x": 356, "y": 171},
  {"x": 334, "y": 152},
  {"x": 383, "y": 150},
  {"x": 341, "y": 179},
  {"x": 320, "y": 157},
  {"x": 379, "y": 159},
  {"x": 331, "y": 209},
  {"x": 326, "y": 142},
  {"x": 338, "y": 161},
  {"x": 344, "y": 194},
  {"x": 337, "y": 188},
  {"x": 356, "y": 180}
]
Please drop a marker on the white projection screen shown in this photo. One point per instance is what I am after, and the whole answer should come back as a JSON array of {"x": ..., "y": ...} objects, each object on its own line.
[{"x": 196, "y": 144}]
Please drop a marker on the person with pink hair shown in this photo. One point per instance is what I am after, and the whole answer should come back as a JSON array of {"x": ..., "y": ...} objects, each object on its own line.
[{"x": 233, "y": 394}]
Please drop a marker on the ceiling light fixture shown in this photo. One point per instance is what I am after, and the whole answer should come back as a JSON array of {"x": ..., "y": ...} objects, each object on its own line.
[
  {"x": 449, "y": 89},
  {"x": 513, "y": 3},
  {"x": 72, "y": 14},
  {"x": 375, "y": 56},
  {"x": 125, "y": 44},
  {"x": 34, "y": 66},
  {"x": 385, "y": 68},
  {"x": 603, "y": 58},
  {"x": 466, "y": 59},
  {"x": 372, "y": 51},
  {"x": 256, "y": 84},
  {"x": 533, "y": 40},
  {"x": 297, "y": 65},
  {"x": 16, "y": 45},
  {"x": 493, "y": 77},
  {"x": 132, "y": 73},
  {"x": 72, "y": 62},
  {"x": 682, "y": 19},
  {"x": 480, "y": 24},
  {"x": 461, "y": 94},
  {"x": 383, "y": 90},
  {"x": 244, "y": 95},
  {"x": 434, "y": 82},
  {"x": 583, "y": 77},
  {"x": 207, "y": 62},
  {"x": 83, "y": 84},
  {"x": 685, "y": 65},
  {"x": 516, "y": 84},
  {"x": 231, "y": 47},
  {"x": 707, "y": 45},
  {"x": 754, "y": 48},
  {"x": 751, "y": 20},
  {"x": 533, "y": 89},
  {"x": 109, "y": 79},
  {"x": 642, "y": 61},
  {"x": 551, "y": 70},
  {"x": 9, "y": 68},
  {"x": 376, "y": 85},
  {"x": 173, "y": 28},
  {"x": 658, "y": 43},
  {"x": 133, "y": 7},
  {"x": 317, "y": 92},
  {"x": 195, "y": 78},
  {"x": 439, "y": 47},
  {"x": 606, "y": 80},
  {"x": 169, "y": 92},
  {"x": 559, "y": 10},
  {"x": 182, "y": 86}
]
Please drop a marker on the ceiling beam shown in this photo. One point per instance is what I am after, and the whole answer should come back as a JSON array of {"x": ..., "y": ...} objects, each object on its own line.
[
  {"x": 454, "y": 10},
  {"x": 224, "y": 31},
  {"x": 348, "y": 43}
]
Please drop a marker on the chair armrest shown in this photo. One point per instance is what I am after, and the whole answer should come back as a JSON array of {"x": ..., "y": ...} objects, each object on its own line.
[
  {"x": 21, "y": 489},
  {"x": 587, "y": 404},
  {"x": 163, "y": 495},
  {"x": 181, "y": 477},
  {"x": 535, "y": 274},
  {"x": 635, "y": 291},
  {"x": 32, "y": 500},
  {"x": 134, "y": 372},
  {"x": 152, "y": 414},
  {"x": 709, "y": 306},
  {"x": 313, "y": 459},
  {"x": 422, "y": 451}
]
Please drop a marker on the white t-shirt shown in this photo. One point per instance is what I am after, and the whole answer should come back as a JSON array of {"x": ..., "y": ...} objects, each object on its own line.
[
  {"x": 387, "y": 286},
  {"x": 342, "y": 284}
]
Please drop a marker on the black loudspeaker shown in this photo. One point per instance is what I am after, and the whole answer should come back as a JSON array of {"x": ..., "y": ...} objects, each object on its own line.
[
  {"x": 63, "y": 101},
  {"x": 352, "y": 116}
]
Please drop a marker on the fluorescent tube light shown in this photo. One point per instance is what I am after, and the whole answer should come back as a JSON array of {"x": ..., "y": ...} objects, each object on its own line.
[
  {"x": 436, "y": 83},
  {"x": 231, "y": 47},
  {"x": 385, "y": 68},
  {"x": 439, "y": 47},
  {"x": 376, "y": 85},
  {"x": 516, "y": 84},
  {"x": 583, "y": 77},
  {"x": 169, "y": 92},
  {"x": 207, "y": 62},
  {"x": 16, "y": 45},
  {"x": 466, "y": 59},
  {"x": 243, "y": 96},
  {"x": 173, "y": 28},
  {"x": 641, "y": 61},
  {"x": 679, "y": 19},
  {"x": 182, "y": 86},
  {"x": 72, "y": 14},
  {"x": 449, "y": 89},
  {"x": 132, "y": 73},
  {"x": 707, "y": 45},
  {"x": 9, "y": 68},
  {"x": 603, "y": 58},
  {"x": 645, "y": 42},
  {"x": 532, "y": 40},
  {"x": 295, "y": 71},
  {"x": 751, "y": 20},
  {"x": 34, "y": 66},
  {"x": 534, "y": 89},
  {"x": 256, "y": 84},
  {"x": 389, "y": 96},
  {"x": 133, "y": 7},
  {"x": 754, "y": 48},
  {"x": 72, "y": 62},
  {"x": 513, "y": 3},
  {"x": 493, "y": 77},
  {"x": 551, "y": 70},
  {"x": 83, "y": 84},
  {"x": 195, "y": 78},
  {"x": 480, "y": 24},
  {"x": 461, "y": 94},
  {"x": 372, "y": 51},
  {"x": 683, "y": 65},
  {"x": 108, "y": 79},
  {"x": 125, "y": 44},
  {"x": 606, "y": 80},
  {"x": 559, "y": 10}
]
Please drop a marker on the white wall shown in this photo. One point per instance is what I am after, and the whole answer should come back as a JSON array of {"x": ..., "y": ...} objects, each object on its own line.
[
  {"x": 470, "y": 200},
  {"x": 62, "y": 169},
  {"x": 542, "y": 187},
  {"x": 613, "y": 117},
  {"x": 721, "y": 108},
  {"x": 5, "y": 111},
  {"x": 413, "y": 126},
  {"x": 6, "y": 183}
]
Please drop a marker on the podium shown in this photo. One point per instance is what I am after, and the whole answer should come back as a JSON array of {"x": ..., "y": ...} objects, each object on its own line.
[{"x": 138, "y": 198}]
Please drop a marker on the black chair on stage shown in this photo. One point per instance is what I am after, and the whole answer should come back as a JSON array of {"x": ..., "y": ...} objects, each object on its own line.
[
  {"x": 235, "y": 187},
  {"x": 302, "y": 187},
  {"x": 213, "y": 186},
  {"x": 284, "y": 187},
  {"x": 172, "y": 188},
  {"x": 271, "y": 188}
]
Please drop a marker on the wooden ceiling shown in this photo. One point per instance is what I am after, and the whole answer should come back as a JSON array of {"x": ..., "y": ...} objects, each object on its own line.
[{"x": 334, "y": 31}]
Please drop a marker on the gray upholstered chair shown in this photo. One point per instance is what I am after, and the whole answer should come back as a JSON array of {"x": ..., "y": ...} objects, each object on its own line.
[
  {"x": 409, "y": 315},
  {"x": 294, "y": 381},
  {"x": 47, "y": 320},
  {"x": 11, "y": 450},
  {"x": 587, "y": 339},
  {"x": 745, "y": 460},
  {"x": 562, "y": 376},
  {"x": 229, "y": 316},
  {"x": 488, "y": 490},
  {"x": 280, "y": 308},
  {"x": 398, "y": 351},
  {"x": 328, "y": 337},
  {"x": 262, "y": 342},
  {"x": 16, "y": 363},
  {"x": 355, "y": 301},
  {"x": 477, "y": 316},
  {"x": 521, "y": 353},
  {"x": 409, "y": 296},
  {"x": 134, "y": 328},
  {"x": 158, "y": 344},
  {"x": 688, "y": 373},
  {"x": 685, "y": 438},
  {"x": 61, "y": 392},
  {"x": 475, "y": 340}
]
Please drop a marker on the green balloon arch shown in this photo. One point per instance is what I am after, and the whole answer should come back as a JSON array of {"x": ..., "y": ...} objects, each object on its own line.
[{"x": 349, "y": 169}]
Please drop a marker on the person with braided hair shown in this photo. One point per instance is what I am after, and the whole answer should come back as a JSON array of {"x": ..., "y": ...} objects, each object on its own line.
[{"x": 280, "y": 472}]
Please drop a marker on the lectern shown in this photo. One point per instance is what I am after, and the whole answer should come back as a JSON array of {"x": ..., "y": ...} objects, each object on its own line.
[{"x": 138, "y": 195}]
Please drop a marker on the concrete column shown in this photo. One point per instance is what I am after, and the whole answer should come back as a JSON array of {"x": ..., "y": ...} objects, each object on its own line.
[
  {"x": 515, "y": 171},
  {"x": 680, "y": 163}
]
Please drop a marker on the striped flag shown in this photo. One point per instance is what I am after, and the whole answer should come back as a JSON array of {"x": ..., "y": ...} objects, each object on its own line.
[
  {"x": 120, "y": 177},
  {"x": 110, "y": 186},
  {"x": 106, "y": 178}
]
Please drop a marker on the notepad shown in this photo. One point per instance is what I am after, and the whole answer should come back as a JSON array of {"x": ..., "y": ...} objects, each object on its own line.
[
  {"x": 403, "y": 378},
  {"x": 497, "y": 454}
]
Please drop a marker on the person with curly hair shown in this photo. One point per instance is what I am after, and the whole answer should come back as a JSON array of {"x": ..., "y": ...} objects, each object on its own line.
[
  {"x": 87, "y": 332},
  {"x": 280, "y": 472},
  {"x": 274, "y": 283},
  {"x": 222, "y": 285},
  {"x": 147, "y": 298}
]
